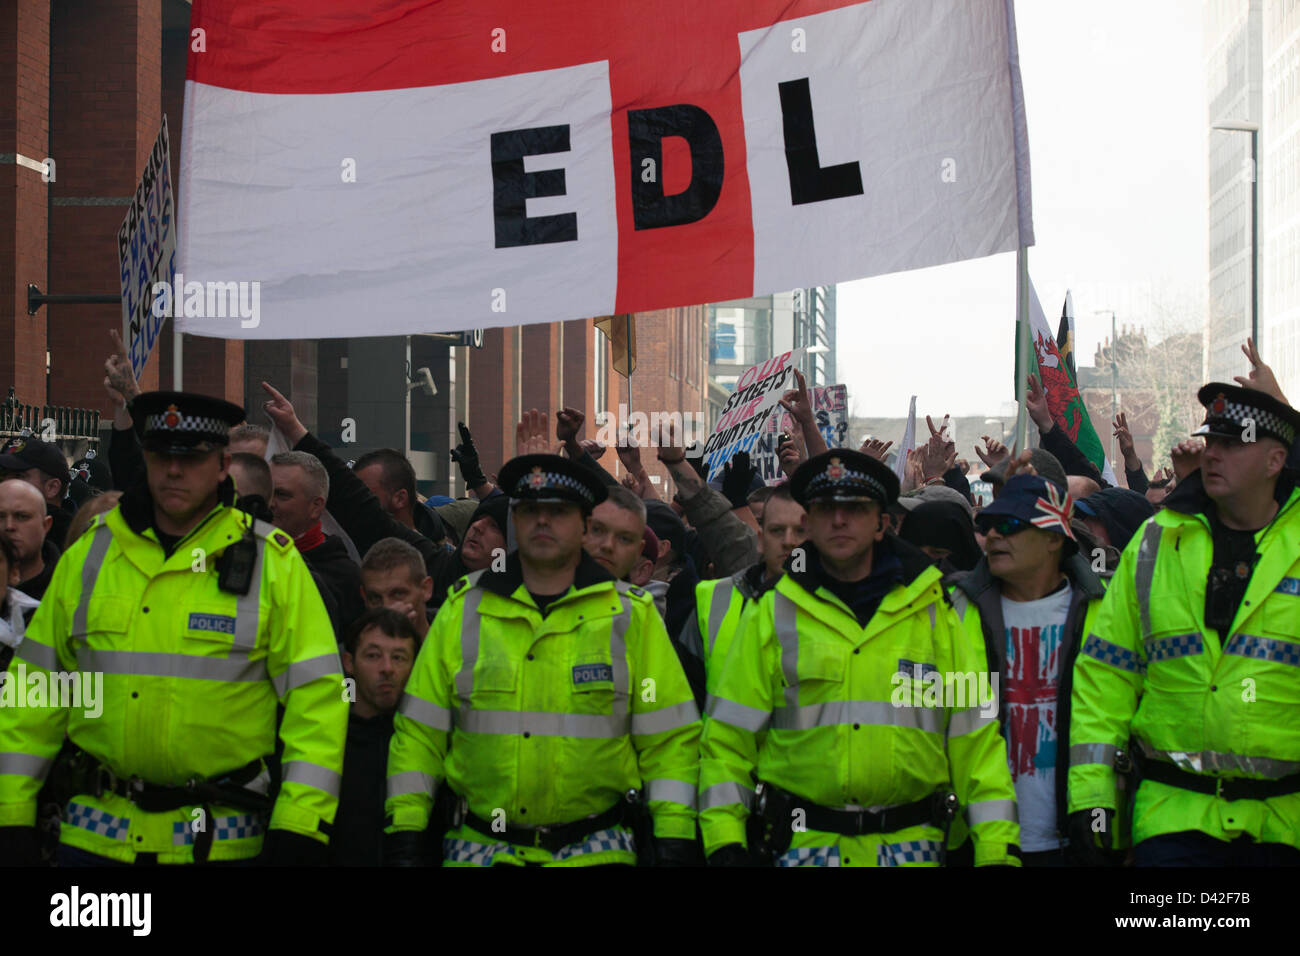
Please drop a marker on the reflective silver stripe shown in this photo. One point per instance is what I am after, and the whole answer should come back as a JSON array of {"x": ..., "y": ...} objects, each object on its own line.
[
  {"x": 412, "y": 781},
  {"x": 469, "y": 637},
  {"x": 247, "y": 606},
  {"x": 151, "y": 664},
  {"x": 1264, "y": 649},
  {"x": 738, "y": 715},
  {"x": 968, "y": 721},
  {"x": 313, "y": 775},
  {"x": 1175, "y": 645},
  {"x": 726, "y": 795},
  {"x": 674, "y": 791},
  {"x": 34, "y": 652},
  {"x": 541, "y": 724},
  {"x": 89, "y": 574},
  {"x": 25, "y": 765},
  {"x": 959, "y": 603},
  {"x": 669, "y": 718},
  {"x": 1146, "y": 569},
  {"x": 930, "y": 608},
  {"x": 785, "y": 619},
  {"x": 875, "y": 712},
  {"x": 304, "y": 672},
  {"x": 1207, "y": 761},
  {"x": 1093, "y": 753},
  {"x": 986, "y": 811},
  {"x": 618, "y": 657},
  {"x": 421, "y": 711},
  {"x": 718, "y": 608}
]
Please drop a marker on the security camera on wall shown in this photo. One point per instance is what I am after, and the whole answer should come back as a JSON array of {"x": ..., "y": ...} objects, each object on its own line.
[{"x": 424, "y": 382}]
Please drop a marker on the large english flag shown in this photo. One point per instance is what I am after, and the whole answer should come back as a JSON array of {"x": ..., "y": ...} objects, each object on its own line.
[{"x": 402, "y": 166}]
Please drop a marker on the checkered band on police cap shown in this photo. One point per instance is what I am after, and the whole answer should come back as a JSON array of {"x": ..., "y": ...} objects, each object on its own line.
[
  {"x": 1228, "y": 408},
  {"x": 537, "y": 482},
  {"x": 172, "y": 421},
  {"x": 839, "y": 480}
]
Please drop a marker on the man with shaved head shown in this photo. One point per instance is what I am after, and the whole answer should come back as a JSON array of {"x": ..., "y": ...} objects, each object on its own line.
[{"x": 24, "y": 521}]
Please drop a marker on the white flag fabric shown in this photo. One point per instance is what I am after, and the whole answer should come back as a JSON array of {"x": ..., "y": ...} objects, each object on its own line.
[
  {"x": 347, "y": 171},
  {"x": 908, "y": 443}
]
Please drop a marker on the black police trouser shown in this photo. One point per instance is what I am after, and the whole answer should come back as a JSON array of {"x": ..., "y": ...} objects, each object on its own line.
[{"x": 1194, "y": 848}]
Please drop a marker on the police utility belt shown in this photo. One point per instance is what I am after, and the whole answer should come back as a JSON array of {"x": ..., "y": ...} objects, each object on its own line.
[
  {"x": 88, "y": 775},
  {"x": 1221, "y": 787},
  {"x": 554, "y": 837},
  {"x": 777, "y": 807}
]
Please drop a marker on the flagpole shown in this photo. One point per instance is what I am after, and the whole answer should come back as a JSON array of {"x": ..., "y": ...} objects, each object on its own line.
[{"x": 1022, "y": 347}]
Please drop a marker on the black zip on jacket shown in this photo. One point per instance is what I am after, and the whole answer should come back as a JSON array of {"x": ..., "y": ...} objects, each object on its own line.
[{"x": 980, "y": 588}]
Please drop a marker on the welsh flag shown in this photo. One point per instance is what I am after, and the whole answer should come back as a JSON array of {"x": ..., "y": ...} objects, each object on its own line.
[{"x": 1056, "y": 372}]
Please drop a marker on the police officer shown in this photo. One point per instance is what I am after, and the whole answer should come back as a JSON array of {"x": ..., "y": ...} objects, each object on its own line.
[
  {"x": 838, "y": 698},
  {"x": 1195, "y": 656},
  {"x": 179, "y": 624},
  {"x": 544, "y": 693}
]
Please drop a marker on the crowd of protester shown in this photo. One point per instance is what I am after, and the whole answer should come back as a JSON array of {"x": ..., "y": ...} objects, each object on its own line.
[{"x": 385, "y": 558}]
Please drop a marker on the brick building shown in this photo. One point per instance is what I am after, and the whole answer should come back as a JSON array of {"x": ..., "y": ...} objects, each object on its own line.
[{"x": 87, "y": 82}]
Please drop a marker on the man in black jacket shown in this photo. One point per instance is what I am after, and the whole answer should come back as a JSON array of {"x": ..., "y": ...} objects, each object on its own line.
[
  {"x": 379, "y": 650},
  {"x": 301, "y": 489},
  {"x": 353, "y": 505}
]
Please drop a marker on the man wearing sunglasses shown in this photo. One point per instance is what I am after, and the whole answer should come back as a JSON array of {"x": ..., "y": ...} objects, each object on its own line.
[
  {"x": 1196, "y": 655},
  {"x": 819, "y": 702},
  {"x": 1031, "y": 600}
]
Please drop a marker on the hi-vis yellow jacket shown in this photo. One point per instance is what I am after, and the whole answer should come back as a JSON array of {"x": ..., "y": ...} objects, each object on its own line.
[
  {"x": 1220, "y": 704},
  {"x": 191, "y": 676},
  {"x": 811, "y": 701},
  {"x": 545, "y": 720}
]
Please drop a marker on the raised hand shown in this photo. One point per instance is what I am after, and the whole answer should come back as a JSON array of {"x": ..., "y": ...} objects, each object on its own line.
[
  {"x": 1261, "y": 377},
  {"x": 466, "y": 456},
  {"x": 876, "y": 448},
  {"x": 797, "y": 402},
  {"x": 994, "y": 451},
  {"x": 531, "y": 434},
  {"x": 1036, "y": 405},
  {"x": 1125, "y": 437},
  {"x": 937, "y": 454},
  {"x": 568, "y": 424},
  {"x": 119, "y": 379},
  {"x": 280, "y": 410},
  {"x": 1186, "y": 457}
]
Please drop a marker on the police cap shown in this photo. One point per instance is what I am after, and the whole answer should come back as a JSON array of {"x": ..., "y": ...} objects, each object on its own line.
[
  {"x": 550, "y": 478},
  {"x": 842, "y": 474},
  {"x": 1228, "y": 407},
  {"x": 182, "y": 423}
]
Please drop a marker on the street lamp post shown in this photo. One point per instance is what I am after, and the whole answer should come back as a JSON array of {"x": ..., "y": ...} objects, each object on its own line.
[
  {"x": 1253, "y": 130},
  {"x": 1114, "y": 372}
]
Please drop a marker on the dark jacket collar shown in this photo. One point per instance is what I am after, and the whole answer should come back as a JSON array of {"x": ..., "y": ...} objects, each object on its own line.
[
  {"x": 507, "y": 582},
  {"x": 137, "y": 503},
  {"x": 1076, "y": 567},
  {"x": 1189, "y": 496},
  {"x": 428, "y": 523}
]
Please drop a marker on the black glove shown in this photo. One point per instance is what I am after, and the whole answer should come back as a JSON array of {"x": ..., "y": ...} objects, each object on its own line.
[
  {"x": 737, "y": 476},
  {"x": 695, "y": 458},
  {"x": 732, "y": 854},
  {"x": 19, "y": 847},
  {"x": 285, "y": 848},
  {"x": 405, "y": 848},
  {"x": 670, "y": 851},
  {"x": 466, "y": 456},
  {"x": 1084, "y": 840}
]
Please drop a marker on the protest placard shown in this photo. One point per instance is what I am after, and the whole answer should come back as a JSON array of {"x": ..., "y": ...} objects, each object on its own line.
[
  {"x": 740, "y": 425},
  {"x": 146, "y": 250},
  {"x": 830, "y": 411}
]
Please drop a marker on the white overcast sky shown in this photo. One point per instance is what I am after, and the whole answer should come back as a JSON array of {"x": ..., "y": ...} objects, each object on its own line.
[{"x": 1115, "y": 99}]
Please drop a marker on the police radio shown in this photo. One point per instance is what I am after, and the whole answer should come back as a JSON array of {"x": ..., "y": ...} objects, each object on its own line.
[{"x": 235, "y": 566}]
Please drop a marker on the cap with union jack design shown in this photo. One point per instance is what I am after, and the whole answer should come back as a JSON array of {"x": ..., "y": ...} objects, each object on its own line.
[{"x": 1035, "y": 500}]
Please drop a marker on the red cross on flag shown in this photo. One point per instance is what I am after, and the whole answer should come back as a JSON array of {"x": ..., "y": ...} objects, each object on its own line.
[{"x": 402, "y": 166}]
